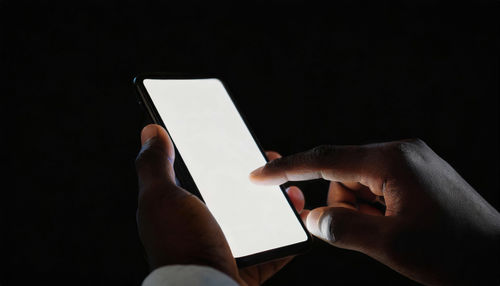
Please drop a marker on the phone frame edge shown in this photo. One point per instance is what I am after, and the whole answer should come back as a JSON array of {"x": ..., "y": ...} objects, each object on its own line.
[{"x": 187, "y": 181}]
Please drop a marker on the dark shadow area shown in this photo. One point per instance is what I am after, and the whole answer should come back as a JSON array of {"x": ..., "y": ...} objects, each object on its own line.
[{"x": 302, "y": 74}]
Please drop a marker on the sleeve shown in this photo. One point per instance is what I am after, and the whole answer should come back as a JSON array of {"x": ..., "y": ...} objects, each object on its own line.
[{"x": 177, "y": 275}]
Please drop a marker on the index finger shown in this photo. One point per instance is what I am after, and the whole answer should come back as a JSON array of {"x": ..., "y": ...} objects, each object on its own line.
[{"x": 329, "y": 162}]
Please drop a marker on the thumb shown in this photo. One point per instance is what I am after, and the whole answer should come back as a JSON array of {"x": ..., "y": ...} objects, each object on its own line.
[
  {"x": 348, "y": 229},
  {"x": 154, "y": 163}
]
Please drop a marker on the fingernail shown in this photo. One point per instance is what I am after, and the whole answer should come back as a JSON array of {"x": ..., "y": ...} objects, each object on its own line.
[
  {"x": 148, "y": 132},
  {"x": 296, "y": 194},
  {"x": 256, "y": 172},
  {"x": 319, "y": 226},
  {"x": 312, "y": 222}
]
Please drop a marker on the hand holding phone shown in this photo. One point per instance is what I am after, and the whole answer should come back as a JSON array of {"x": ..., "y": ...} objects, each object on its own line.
[
  {"x": 176, "y": 227},
  {"x": 215, "y": 153}
]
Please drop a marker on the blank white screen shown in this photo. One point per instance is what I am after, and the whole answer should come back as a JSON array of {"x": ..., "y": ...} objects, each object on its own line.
[{"x": 220, "y": 152}]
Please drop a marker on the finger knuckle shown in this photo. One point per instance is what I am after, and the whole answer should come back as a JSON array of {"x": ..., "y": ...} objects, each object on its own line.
[
  {"x": 322, "y": 151},
  {"x": 416, "y": 142},
  {"x": 404, "y": 148},
  {"x": 410, "y": 150},
  {"x": 413, "y": 143},
  {"x": 277, "y": 163}
]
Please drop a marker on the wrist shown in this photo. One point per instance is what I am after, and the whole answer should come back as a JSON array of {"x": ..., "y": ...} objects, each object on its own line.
[
  {"x": 226, "y": 267},
  {"x": 188, "y": 275}
]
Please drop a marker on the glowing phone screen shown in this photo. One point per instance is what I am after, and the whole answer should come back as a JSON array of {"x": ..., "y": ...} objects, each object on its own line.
[{"x": 220, "y": 152}]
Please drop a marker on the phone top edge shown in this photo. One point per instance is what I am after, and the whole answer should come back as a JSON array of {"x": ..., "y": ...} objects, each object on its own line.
[{"x": 162, "y": 75}]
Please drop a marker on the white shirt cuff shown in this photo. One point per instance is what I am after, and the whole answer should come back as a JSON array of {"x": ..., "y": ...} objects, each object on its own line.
[{"x": 173, "y": 275}]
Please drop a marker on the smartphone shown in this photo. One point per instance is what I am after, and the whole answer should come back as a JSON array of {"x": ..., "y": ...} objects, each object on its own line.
[{"x": 215, "y": 153}]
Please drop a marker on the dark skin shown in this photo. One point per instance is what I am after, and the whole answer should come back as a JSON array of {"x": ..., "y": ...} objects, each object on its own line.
[
  {"x": 435, "y": 229},
  {"x": 176, "y": 227}
]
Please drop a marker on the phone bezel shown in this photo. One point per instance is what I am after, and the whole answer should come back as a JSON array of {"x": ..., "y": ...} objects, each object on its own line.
[{"x": 187, "y": 182}]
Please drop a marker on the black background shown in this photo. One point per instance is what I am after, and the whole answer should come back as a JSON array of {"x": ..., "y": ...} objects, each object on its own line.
[{"x": 303, "y": 74}]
